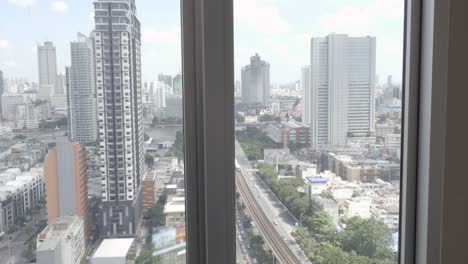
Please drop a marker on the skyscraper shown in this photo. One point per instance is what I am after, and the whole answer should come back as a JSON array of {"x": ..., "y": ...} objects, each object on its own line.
[
  {"x": 256, "y": 82},
  {"x": 82, "y": 91},
  {"x": 160, "y": 96},
  {"x": 118, "y": 82},
  {"x": 66, "y": 182},
  {"x": 59, "y": 88},
  {"x": 306, "y": 95},
  {"x": 339, "y": 102},
  {"x": 47, "y": 66}
]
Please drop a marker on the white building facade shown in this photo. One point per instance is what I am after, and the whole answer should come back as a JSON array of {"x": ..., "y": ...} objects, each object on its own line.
[
  {"x": 339, "y": 99},
  {"x": 256, "y": 82},
  {"x": 81, "y": 91},
  {"x": 47, "y": 66}
]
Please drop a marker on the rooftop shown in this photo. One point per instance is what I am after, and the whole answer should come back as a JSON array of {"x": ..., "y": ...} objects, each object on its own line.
[{"x": 117, "y": 247}]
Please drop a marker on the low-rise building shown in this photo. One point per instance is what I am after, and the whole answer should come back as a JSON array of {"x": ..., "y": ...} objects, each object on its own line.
[
  {"x": 358, "y": 206},
  {"x": 61, "y": 242},
  {"x": 289, "y": 132},
  {"x": 393, "y": 141},
  {"x": 20, "y": 193},
  {"x": 148, "y": 192},
  {"x": 114, "y": 251},
  {"x": 382, "y": 130},
  {"x": 174, "y": 210}
]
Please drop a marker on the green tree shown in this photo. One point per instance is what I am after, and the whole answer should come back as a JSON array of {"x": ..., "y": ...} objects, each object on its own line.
[
  {"x": 240, "y": 118},
  {"x": 149, "y": 160},
  {"x": 156, "y": 213},
  {"x": 20, "y": 137},
  {"x": 145, "y": 257},
  {"x": 367, "y": 237},
  {"x": 177, "y": 149},
  {"x": 320, "y": 224},
  {"x": 266, "y": 118}
]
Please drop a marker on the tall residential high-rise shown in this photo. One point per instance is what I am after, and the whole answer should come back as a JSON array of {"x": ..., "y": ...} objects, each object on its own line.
[
  {"x": 256, "y": 82},
  {"x": 66, "y": 182},
  {"x": 59, "y": 88},
  {"x": 120, "y": 114},
  {"x": 47, "y": 66},
  {"x": 81, "y": 91},
  {"x": 340, "y": 100}
]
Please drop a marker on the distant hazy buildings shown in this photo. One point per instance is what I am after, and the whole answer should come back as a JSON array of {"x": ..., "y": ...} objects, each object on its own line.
[
  {"x": 66, "y": 181},
  {"x": 30, "y": 114},
  {"x": 61, "y": 242},
  {"x": 24, "y": 110},
  {"x": 167, "y": 79},
  {"x": 47, "y": 66},
  {"x": 160, "y": 95},
  {"x": 81, "y": 91},
  {"x": 1, "y": 90},
  {"x": 339, "y": 93},
  {"x": 174, "y": 108},
  {"x": 117, "y": 40},
  {"x": 177, "y": 84},
  {"x": 256, "y": 82},
  {"x": 10, "y": 103}
]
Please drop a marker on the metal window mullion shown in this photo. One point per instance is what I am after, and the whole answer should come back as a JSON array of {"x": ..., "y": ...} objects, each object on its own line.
[
  {"x": 209, "y": 129},
  {"x": 410, "y": 126}
]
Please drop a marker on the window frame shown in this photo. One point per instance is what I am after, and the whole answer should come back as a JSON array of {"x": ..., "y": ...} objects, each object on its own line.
[
  {"x": 207, "y": 59},
  {"x": 208, "y": 75}
]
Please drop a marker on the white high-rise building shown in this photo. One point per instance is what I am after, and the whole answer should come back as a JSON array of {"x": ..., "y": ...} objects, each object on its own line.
[
  {"x": 47, "y": 66},
  {"x": 306, "y": 95},
  {"x": 120, "y": 113},
  {"x": 160, "y": 95},
  {"x": 81, "y": 91},
  {"x": 256, "y": 82},
  {"x": 339, "y": 102}
]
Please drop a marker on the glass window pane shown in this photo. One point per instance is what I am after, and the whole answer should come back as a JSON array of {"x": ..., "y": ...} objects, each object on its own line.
[
  {"x": 318, "y": 130},
  {"x": 91, "y": 135}
]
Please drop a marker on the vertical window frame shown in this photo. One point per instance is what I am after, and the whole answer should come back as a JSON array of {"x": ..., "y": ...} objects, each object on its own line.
[{"x": 208, "y": 75}]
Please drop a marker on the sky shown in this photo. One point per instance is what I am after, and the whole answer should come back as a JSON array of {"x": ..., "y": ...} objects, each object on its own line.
[{"x": 278, "y": 30}]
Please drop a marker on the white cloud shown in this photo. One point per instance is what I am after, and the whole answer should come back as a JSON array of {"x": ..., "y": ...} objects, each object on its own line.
[
  {"x": 22, "y": 3},
  {"x": 3, "y": 44},
  {"x": 168, "y": 37},
  {"x": 261, "y": 16},
  {"x": 369, "y": 20},
  {"x": 60, "y": 6}
]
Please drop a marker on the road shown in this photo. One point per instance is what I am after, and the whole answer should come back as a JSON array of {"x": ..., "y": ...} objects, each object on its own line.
[
  {"x": 17, "y": 246},
  {"x": 276, "y": 213}
]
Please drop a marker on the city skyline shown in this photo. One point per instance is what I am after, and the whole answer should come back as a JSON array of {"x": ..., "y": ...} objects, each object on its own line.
[{"x": 286, "y": 32}]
